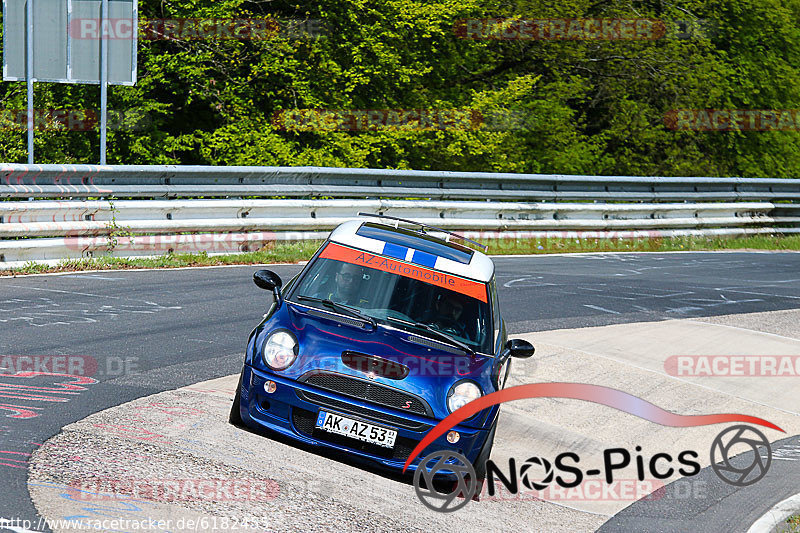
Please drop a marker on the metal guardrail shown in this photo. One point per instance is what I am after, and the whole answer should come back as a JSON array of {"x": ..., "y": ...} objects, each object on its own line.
[
  {"x": 132, "y": 181},
  {"x": 234, "y": 208},
  {"x": 49, "y": 218}
]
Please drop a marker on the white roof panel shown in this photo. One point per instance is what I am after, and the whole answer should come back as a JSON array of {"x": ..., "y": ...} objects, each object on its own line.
[{"x": 480, "y": 267}]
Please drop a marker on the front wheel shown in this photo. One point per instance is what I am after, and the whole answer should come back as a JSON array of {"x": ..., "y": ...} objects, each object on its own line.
[
  {"x": 486, "y": 451},
  {"x": 235, "y": 417}
]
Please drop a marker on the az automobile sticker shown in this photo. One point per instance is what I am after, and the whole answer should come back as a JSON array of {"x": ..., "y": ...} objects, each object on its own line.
[{"x": 470, "y": 288}]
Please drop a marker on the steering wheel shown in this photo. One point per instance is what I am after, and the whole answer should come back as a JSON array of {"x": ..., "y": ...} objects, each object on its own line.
[
  {"x": 404, "y": 299},
  {"x": 455, "y": 329}
]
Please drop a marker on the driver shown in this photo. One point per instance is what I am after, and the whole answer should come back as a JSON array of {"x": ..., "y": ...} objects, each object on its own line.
[
  {"x": 347, "y": 285},
  {"x": 449, "y": 307}
]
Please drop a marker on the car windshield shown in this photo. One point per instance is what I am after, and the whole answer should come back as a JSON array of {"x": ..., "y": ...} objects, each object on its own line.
[{"x": 385, "y": 295}]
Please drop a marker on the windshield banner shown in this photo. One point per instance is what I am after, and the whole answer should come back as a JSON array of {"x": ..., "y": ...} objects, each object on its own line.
[{"x": 467, "y": 287}]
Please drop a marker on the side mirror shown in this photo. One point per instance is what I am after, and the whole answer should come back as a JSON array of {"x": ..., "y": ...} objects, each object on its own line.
[
  {"x": 269, "y": 281},
  {"x": 520, "y": 348}
]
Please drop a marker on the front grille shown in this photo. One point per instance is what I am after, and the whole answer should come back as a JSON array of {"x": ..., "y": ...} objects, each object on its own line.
[
  {"x": 305, "y": 422},
  {"x": 371, "y": 392},
  {"x": 357, "y": 410},
  {"x": 363, "y": 362}
]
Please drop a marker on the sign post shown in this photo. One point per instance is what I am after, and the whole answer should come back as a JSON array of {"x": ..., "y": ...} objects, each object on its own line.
[
  {"x": 29, "y": 74},
  {"x": 104, "y": 79},
  {"x": 68, "y": 41}
]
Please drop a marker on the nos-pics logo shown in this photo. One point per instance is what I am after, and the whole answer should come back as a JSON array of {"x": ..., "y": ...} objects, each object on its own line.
[{"x": 446, "y": 481}]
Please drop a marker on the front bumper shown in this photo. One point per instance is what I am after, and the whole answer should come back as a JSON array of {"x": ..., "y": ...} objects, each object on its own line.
[{"x": 292, "y": 411}]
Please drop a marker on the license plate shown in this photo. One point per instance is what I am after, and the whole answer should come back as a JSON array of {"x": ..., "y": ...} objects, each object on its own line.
[{"x": 356, "y": 429}]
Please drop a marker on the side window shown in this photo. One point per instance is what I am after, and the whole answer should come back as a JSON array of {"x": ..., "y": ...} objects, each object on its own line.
[
  {"x": 495, "y": 309},
  {"x": 288, "y": 286}
]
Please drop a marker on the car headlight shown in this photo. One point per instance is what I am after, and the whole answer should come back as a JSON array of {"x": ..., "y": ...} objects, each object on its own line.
[
  {"x": 280, "y": 350},
  {"x": 461, "y": 394}
]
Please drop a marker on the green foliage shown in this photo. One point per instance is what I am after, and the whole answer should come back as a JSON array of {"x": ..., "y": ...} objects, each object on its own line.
[
  {"x": 561, "y": 106},
  {"x": 115, "y": 231}
]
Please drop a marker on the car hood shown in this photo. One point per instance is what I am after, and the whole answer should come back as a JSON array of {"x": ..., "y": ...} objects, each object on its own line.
[{"x": 431, "y": 370}]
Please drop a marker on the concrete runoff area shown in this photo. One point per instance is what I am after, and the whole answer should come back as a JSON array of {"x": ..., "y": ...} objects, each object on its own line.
[{"x": 183, "y": 435}]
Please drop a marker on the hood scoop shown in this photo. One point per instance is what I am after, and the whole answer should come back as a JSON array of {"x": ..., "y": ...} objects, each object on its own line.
[{"x": 373, "y": 364}]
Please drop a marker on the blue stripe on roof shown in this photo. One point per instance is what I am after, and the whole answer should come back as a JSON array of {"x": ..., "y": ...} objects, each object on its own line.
[
  {"x": 417, "y": 242},
  {"x": 395, "y": 250},
  {"x": 424, "y": 259}
]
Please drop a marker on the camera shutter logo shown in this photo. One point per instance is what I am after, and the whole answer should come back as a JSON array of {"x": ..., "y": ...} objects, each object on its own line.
[
  {"x": 527, "y": 477},
  {"x": 739, "y": 474},
  {"x": 463, "y": 490}
]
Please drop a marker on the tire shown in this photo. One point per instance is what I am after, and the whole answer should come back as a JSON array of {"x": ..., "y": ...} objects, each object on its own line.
[
  {"x": 486, "y": 451},
  {"x": 235, "y": 417}
]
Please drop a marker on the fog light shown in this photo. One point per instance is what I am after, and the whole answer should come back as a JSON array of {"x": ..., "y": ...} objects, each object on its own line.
[
  {"x": 453, "y": 436},
  {"x": 270, "y": 386}
]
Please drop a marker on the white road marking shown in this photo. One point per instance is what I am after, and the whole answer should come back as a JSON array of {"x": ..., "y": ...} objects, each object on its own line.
[
  {"x": 52, "y": 313},
  {"x": 92, "y": 276},
  {"x": 758, "y": 293},
  {"x": 653, "y": 293},
  {"x": 682, "y": 310},
  {"x": 531, "y": 280},
  {"x": 64, "y": 292},
  {"x": 790, "y": 452},
  {"x": 620, "y": 297},
  {"x": 598, "y": 308}
]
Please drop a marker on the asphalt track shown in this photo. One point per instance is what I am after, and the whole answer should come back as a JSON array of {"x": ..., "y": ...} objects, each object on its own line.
[{"x": 151, "y": 331}]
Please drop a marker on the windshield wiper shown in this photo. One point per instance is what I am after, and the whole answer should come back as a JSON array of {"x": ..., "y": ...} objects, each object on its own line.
[
  {"x": 342, "y": 308},
  {"x": 438, "y": 335}
]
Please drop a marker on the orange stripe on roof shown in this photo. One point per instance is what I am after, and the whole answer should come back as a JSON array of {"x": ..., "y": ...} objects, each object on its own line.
[{"x": 473, "y": 289}]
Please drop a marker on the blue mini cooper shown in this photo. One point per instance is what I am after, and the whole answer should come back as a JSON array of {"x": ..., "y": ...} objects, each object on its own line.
[{"x": 385, "y": 332}]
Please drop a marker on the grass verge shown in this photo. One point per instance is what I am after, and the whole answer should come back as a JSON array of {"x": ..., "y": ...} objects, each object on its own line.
[
  {"x": 292, "y": 252},
  {"x": 792, "y": 525},
  {"x": 534, "y": 246},
  {"x": 288, "y": 252}
]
